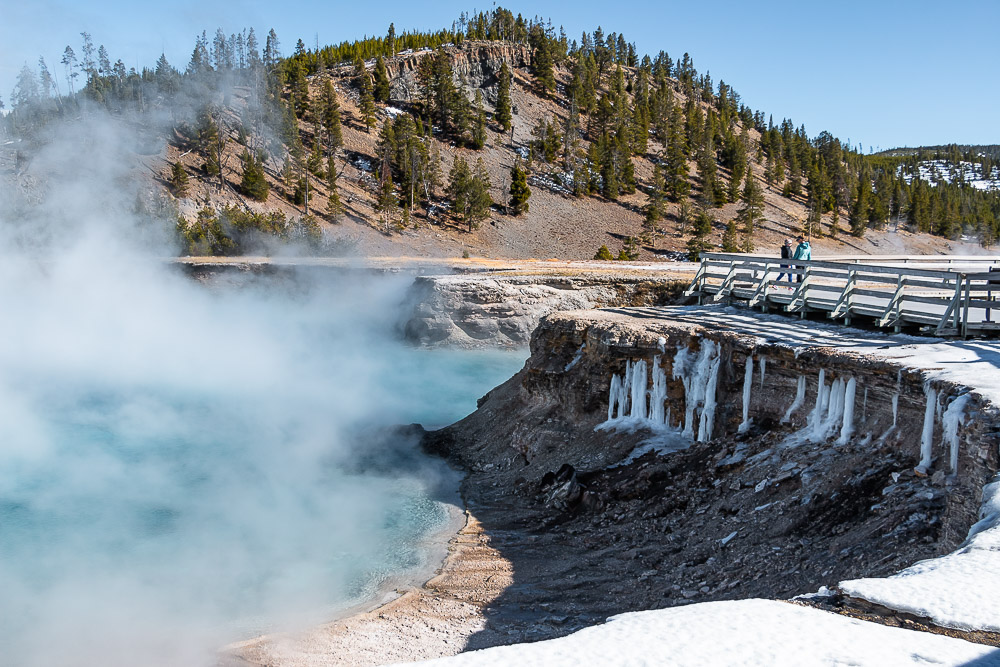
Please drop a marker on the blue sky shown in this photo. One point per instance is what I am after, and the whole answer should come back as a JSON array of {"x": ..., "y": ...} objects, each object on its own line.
[{"x": 882, "y": 73}]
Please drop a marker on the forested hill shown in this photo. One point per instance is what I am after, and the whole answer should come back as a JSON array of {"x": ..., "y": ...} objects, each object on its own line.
[{"x": 499, "y": 136}]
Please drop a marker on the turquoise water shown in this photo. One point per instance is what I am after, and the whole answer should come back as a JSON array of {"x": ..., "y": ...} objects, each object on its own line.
[{"x": 159, "y": 502}]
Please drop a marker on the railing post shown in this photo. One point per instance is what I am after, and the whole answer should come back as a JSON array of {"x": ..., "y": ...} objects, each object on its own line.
[{"x": 965, "y": 306}]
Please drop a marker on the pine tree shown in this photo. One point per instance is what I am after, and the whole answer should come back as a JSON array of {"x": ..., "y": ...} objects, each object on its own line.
[
  {"x": 333, "y": 206},
  {"x": 479, "y": 196},
  {"x": 654, "y": 207},
  {"x": 502, "y": 114},
  {"x": 751, "y": 212},
  {"x": 367, "y": 103},
  {"x": 542, "y": 58},
  {"x": 331, "y": 117},
  {"x": 479, "y": 129},
  {"x": 859, "y": 211},
  {"x": 730, "y": 240},
  {"x": 387, "y": 202},
  {"x": 698, "y": 243},
  {"x": 381, "y": 90},
  {"x": 519, "y": 190},
  {"x": 604, "y": 254},
  {"x": 629, "y": 251},
  {"x": 254, "y": 183},
  {"x": 179, "y": 180},
  {"x": 458, "y": 186}
]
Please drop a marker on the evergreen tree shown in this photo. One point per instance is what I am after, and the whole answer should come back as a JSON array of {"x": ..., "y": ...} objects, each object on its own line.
[
  {"x": 604, "y": 254},
  {"x": 381, "y": 90},
  {"x": 654, "y": 207},
  {"x": 386, "y": 203},
  {"x": 502, "y": 115},
  {"x": 179, "y": 180},
  {"x": 519, "y": 190},
  {"x": 254, "y": 183},
  {"x": 859, "y": 211},
  {"x": 458, "y": 188},
  {"x": 479, "y": 197},
  {"x": 331, "y": 117},
  {"x": 479, "y": 129},
  {"x": 542, "y": 58},
  {"x": 333, "y": 206},
  {"x": 629, "y": 251},
  {"x": 367, "y": 104},
  {"x": 751, "y": 212},
  {"x": 698, "y": 243},
  {"x": 730, "y": 239}
]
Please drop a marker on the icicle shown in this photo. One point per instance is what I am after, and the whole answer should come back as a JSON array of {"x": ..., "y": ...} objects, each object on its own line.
[
  {"x": 708, "y": 413},
  {"x": 822, "y": 399},
  {"x": 895, "y": 409},
  {"x": 927, "y": 436},
  {"x": 864, "y": 406},
  {"x": 616, "y": 385},
  {"x": 763, "y": 370},
  {"x": 954, "y": 417},
  {"x": 658, "y": 394},
  {"x": 747, "y": 388},
  {"x": 639, "y": 390},
  {"x": 835, "y": 405},
  {"x": 695, "y": 380},
  {"x": 847, "y": 429},
  {"x": 800, "y": 398}
]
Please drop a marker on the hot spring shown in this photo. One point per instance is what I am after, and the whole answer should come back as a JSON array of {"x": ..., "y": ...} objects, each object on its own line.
[{"x": 183, "y": 466}]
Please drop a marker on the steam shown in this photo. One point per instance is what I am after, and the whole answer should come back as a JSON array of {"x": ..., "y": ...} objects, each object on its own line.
[{"x": 179, "y": 465}]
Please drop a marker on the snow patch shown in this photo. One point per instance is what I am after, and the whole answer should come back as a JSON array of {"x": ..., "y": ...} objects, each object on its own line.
[{"x": 754, "y": 633}]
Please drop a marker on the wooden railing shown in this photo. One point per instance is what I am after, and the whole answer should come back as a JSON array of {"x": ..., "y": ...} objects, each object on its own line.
[{"x": 897, "y": 292}]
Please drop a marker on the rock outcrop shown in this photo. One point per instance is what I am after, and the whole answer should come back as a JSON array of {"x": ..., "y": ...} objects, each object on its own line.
[
  {"x": 782, "y": 499},
  {"x": 495, "y": 310},
  {"x": 475, "y": 65}
]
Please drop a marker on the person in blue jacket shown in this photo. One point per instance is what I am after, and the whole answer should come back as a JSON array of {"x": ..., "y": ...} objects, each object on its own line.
[{"x": 802, "y": 251}]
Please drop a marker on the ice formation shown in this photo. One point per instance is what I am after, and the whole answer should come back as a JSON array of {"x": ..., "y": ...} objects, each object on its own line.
[
  {"x": 847, "y": 428},
  {"x": 927, "y": 437},
  {"x": 629, "y": 399},
  {"x": 832, "y": 412},
  {"x": 576, "y": 358},
  {"x": 800, "y": 398},
  {"x": 953, "y": 417},
  {"x": 747, "y": 387},
  {"x": 699, "y": 373},
  {"x": 708, "y": 412},
  {"x": 763, "y": 370},
  {"x": 658, "y": 394},
  {"x": 638, "y": 390}
]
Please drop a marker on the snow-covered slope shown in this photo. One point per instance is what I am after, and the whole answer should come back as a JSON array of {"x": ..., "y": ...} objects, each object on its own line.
[
  {"x": 934, "y": 171},
  {"x": 745, "y": 632}
]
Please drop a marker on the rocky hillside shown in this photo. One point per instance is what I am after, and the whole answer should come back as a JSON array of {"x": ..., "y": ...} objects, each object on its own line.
[{"x": 557, "y": 224}]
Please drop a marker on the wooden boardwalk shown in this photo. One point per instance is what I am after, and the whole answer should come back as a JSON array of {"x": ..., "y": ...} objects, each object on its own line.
[{"x": 940, "y": 295}]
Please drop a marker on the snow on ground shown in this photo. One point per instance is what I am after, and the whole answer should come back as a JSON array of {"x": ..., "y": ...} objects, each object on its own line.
[
  {"x": 933, "y": 171},
  {"x": 955, "y": 591},
  {"x": 745, "y": 632}
]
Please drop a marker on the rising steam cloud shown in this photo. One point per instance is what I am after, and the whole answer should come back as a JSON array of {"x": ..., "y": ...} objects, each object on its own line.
[{"x": 176, "y": 461}]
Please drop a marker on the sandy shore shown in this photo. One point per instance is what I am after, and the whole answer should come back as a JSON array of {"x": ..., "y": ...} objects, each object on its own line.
[{"x": 424, "y": 622}]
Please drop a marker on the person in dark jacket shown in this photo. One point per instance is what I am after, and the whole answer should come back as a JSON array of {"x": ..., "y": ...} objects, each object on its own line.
[
  {"x": 786, "y": 253},
  {"x": 802, "y": 251}
]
